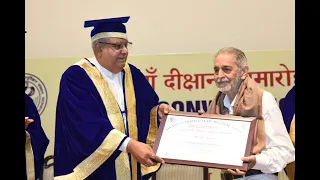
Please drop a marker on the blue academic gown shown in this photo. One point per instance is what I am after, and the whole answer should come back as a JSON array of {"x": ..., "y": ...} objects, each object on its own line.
[
  {"x": 39, "y": 140},
  {"x": 86, "y": 142},
  {"x": 288, "y": 108}
]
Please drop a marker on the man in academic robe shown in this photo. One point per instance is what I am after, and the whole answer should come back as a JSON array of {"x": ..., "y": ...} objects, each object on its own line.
[
  {"x": 288, "y": 107},
  {"x": 36, "y": 141},
  {"x": 288, "y": 113},
  {"x": 107, "y": 113}
]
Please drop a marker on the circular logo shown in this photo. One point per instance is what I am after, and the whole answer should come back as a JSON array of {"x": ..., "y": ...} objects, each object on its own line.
[{"x": 35, "y": 88}]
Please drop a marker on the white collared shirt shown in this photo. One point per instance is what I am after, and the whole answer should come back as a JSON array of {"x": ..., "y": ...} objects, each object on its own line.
[
  {"x": 279, "y": 149},
  {"x": 115, "y": 83}
]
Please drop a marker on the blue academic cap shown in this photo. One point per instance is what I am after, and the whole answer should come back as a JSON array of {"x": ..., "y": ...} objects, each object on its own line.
[{"x": 111, "y": 27}]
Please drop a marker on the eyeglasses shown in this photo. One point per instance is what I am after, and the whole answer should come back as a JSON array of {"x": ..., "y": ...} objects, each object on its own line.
[{"x": 128, "y": 45}]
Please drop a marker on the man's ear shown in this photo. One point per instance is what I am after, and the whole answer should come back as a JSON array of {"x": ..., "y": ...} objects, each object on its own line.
[
  {"x": 98, "y": 48},
  {"x": 245, "y": 71}
]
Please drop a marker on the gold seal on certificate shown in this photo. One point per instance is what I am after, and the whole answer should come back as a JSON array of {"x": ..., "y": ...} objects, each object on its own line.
[{"x": 207, "y": 140}]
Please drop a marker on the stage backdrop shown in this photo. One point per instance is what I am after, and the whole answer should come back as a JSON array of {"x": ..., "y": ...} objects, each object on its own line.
[{"x": 185, "y": 81}]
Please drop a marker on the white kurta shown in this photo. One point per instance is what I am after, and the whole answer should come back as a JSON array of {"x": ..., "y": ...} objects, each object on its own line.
[
  {"x": 279, "y": 149},
  {"x": 115, "y": 82}
]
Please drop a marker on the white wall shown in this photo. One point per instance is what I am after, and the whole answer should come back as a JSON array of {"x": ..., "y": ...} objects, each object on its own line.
[{"x": 55, "y": 27}]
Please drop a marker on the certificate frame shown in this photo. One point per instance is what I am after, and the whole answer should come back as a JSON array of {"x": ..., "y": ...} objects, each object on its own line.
[{"x": 208, "y": 117}]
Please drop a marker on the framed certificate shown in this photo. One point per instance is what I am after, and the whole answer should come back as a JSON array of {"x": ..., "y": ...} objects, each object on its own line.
[{"x": 207, "y": 140}]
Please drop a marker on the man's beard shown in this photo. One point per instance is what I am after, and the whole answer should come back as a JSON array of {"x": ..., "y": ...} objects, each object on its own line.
[{"x": 232, "y": 86}]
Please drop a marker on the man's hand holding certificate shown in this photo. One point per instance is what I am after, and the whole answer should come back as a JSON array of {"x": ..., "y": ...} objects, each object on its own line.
[{"x": 206, "y": 140}]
